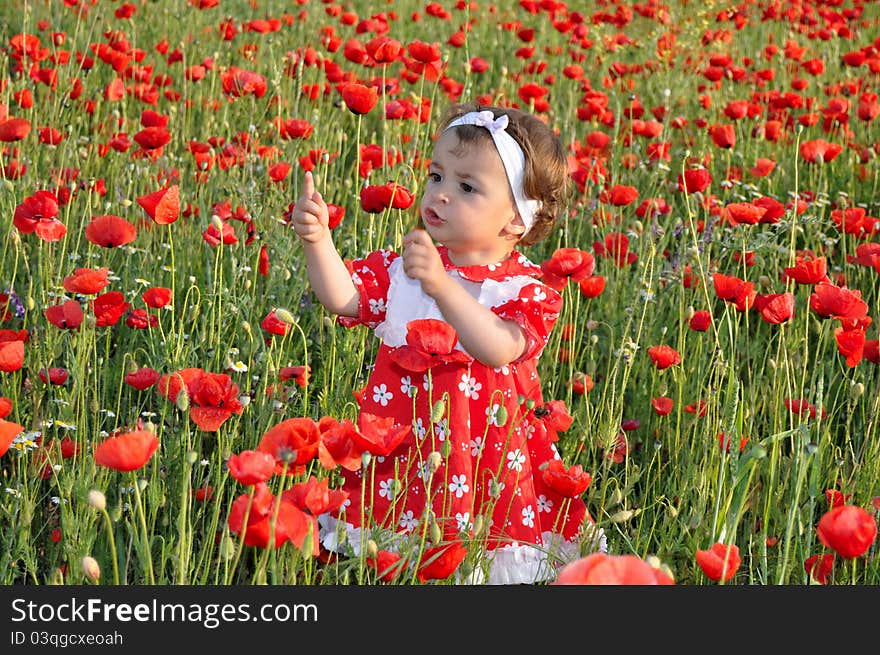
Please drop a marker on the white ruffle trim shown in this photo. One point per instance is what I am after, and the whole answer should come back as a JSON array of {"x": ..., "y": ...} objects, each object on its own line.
[
  {"x": 407, "y": 302},
  {"x": 506, "y": 565}
]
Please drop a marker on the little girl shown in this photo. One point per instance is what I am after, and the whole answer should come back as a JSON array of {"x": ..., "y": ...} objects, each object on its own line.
[{"x": 473, "y": 462}]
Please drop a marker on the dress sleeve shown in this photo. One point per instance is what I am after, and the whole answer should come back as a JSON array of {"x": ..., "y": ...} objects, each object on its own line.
[
  {"x": 535, "y": 309},
  {"x": 370, "y": 277}
]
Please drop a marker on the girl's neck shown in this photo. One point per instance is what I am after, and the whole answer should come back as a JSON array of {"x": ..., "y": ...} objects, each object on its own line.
[{"x": 475, "y": 258}]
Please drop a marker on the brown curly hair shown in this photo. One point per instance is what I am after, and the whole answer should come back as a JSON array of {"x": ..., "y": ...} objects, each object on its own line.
[{"x": 546, "y": 172}]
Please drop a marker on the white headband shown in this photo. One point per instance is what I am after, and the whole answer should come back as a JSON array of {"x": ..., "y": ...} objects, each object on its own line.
[{"x": 511, "y": 156}]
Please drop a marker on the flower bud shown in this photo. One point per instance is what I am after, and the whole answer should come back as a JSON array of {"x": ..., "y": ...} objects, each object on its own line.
[
  {"x": 623, "y": 515},
  {"x": 436, "y": 534},
  {"x": 501, "y": 416},
  {"x": 182, "y": 400},
  {"x": 689, "y": 314},
  {"x": 478, "y": 524},
  {"x": 91, "y": 569},
  {"x": 285, "y": 316},
  {"x": 857, "y": 390},
  {"x": 438, "y": 410},
  {"x": 217, "y": 222},
  {"x": 434, "y": 461},
  {"x": 372, "y": 549},
  {"x": 98, "y": 500}
]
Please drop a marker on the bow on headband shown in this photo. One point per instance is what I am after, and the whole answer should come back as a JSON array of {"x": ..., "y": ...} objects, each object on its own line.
[{"x": 512, "y": 157}]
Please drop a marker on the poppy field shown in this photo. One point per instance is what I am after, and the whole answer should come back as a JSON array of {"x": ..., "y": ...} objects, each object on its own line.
[{"x": 176, "y": 407}]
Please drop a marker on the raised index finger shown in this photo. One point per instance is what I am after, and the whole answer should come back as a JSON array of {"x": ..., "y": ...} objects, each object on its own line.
[{"x": 308, "y": 185}]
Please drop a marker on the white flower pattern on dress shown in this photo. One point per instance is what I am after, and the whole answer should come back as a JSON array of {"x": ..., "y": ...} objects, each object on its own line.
[
  {"x": 386, "y": 488},
  {"x": 492, "y": 414},
  {"x": 419, "y": 430},
  {"x": 476, "y": 446},
  {"x": 406, "y": 386},
  {"x": 544, "y": 504},
  {"x": 470, "y": 387},
  {"x": 381, "y": 394},
  {"x": 408, "y": 521},
  {"x": 459, "y": 485},
  {"x": 516, "y": 459},
  {"x": 463, "y": 521},
  {"x": 528, "y": 516}
]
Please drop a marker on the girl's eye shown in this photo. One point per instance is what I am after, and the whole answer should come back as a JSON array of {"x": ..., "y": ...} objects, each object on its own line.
[
  {"x": 433, "y": 177},
  {"x": 467, "y": 188}
]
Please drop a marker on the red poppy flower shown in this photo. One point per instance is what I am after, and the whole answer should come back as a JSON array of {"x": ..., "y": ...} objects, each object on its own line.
[
  {"x": 55, "y": 375},
  {"x": 293, "y": 443},
  {"x": 819, "y": 151},
  {"x": 808, "y": 270},
  {"x": 274, "y": 325},
  {"x": 156, "y": 297},
  {"x": 153, "y": 138},
  {"x": 700, "y": 321},
  {"x": 439, "y": 562},
  {"x": 870, "y": 351},
  {"x": 619, "y": 195},
  {"x": 554, "y": 415},
  {"x": 604, "y": 569},
  {"x": 720, "y": 562},
  {"x": 87, "y": 280},
  {"x": 592, "y": 287},
  {"x": 338, "y": 446},
  {"x": 127, "y": 451},
  {"x": 8, "y": 432},
  {"x": 109, "y": 308},
  {"x": 376, "y": 198},
  {"x": 662, "y": 405},
  {"x": 426, "y": 53},
  {"x": 567, "y": 264},
  {"x": 763, "y": 167},
  {"x": 619, "y": 450},
  {"x": 139, "y": 319},
  {"x": 747, "y": 213},
  {"x": 723, "y": 136},
  {"x": 850, "y": 344},
  {"x": 616, "y": 247},
  {"x": 378, "y": 435},
  {"x": 299, "y": 374},
  {"x": 388, "y": 565},
  {"x": 213, "y": 398},
  {"x": 12, "y": 350},
  {"x": 819, "y": 567},
  {"x": 110, "y": 231},
  {"x": 664, "y": 356},
  {"x": 237, "y": 82},
  {"x": 570, "y": 482},
  {"x": 38, "y": 213},
  {"x": 848, "y": 530},
  {"x": 383, "y": 49},
  {"x": 831, "y": 301},
  {"x": 163, "y": 206},
  {"x": 315, "y": 496},
  {"x": 14, "y": 129},
  {"x": 694, "y": 180},
  {"x": 290, "y": 522},
  {"x": 734, "y": 290},
  {"x": 5, "y": 406},
  {"x": 836, "y": 498},
  {"x": 429, "y": 343},
  {"x": 142, "y": 379},
  {"x": 67, "y": 316},
  {"x": 775, "y": 308},
  {"x": 358, "y": 98},
  {"x": 700, "y": 408},
  {"x": 214, "y": 236},
  {"x": 868, "y": 254},
  {"x": 251, "y": 466},
  {"x": 171, "y": 384}
]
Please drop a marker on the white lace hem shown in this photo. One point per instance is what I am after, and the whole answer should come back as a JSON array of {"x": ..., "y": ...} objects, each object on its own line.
[{"x": 507, "y": 565}]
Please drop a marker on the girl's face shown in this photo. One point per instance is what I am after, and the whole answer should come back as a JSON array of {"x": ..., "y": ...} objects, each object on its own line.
[{"x": 467, "y": 204}]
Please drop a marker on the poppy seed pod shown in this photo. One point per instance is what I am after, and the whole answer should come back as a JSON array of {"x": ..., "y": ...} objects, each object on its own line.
[
  {"x": 91, "y": 569},
  {"x": 97, "y": 500},
  {"x": 433, "y": 461},
  {"x": 285, "y": 316},
  {"x": 182, "y": 400}
]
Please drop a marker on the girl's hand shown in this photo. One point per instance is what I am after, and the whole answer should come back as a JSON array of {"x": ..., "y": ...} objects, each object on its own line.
[
  {"x": 421, "y": 261},
  {"x": 311, "y": 218}
]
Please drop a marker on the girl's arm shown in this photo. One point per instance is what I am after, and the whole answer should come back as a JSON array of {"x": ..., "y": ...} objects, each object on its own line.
[
  {"x": 328, "y": 276},
  {"x": 485, "y": 335}
]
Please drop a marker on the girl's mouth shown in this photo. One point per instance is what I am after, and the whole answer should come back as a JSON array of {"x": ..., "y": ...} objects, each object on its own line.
[{"x": 431, "y": 218}]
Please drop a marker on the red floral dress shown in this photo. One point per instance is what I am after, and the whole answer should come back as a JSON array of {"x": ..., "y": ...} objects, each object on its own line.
[{"x": 492, "y": 445}]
